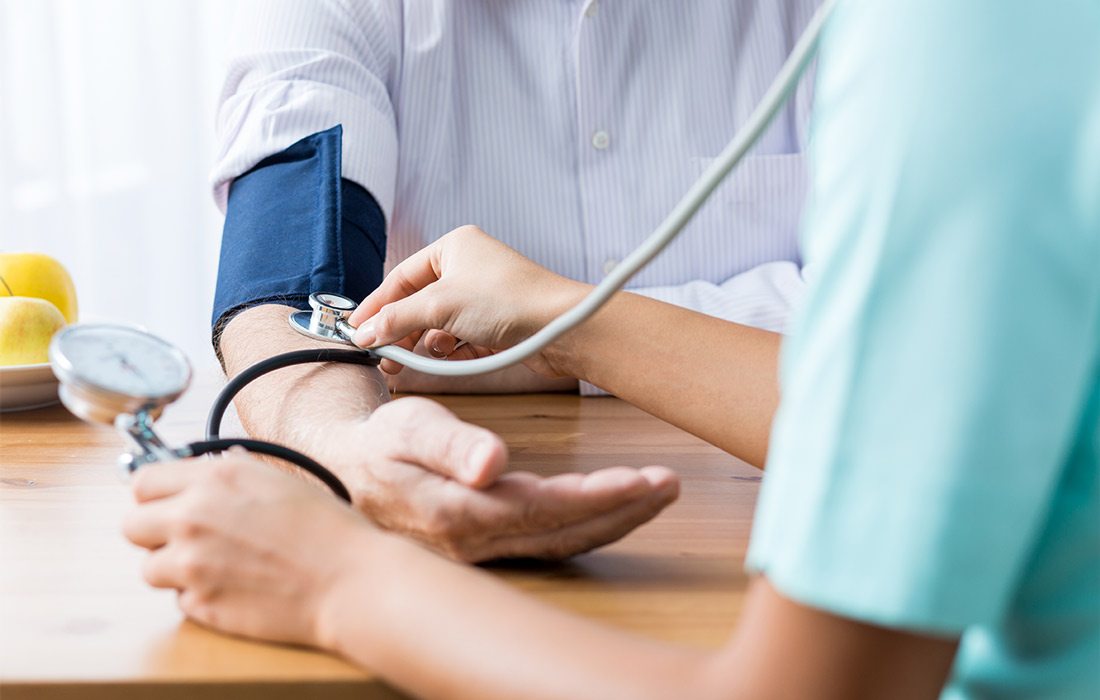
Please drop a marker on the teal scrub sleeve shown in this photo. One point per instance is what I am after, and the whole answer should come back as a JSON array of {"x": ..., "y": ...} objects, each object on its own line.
[{"x": 937, "y": 377}]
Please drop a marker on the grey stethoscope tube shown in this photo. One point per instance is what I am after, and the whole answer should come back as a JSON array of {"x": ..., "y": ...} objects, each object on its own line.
[{"x": 777, "y": 94}]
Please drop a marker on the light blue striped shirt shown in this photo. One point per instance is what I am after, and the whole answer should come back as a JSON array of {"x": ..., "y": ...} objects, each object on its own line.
[{"x": 565, "y": 128}]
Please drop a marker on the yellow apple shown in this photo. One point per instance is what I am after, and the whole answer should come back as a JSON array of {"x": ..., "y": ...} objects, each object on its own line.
[
  {"x": 26, "y": 327},
  {"x": 40, "y": 276}
]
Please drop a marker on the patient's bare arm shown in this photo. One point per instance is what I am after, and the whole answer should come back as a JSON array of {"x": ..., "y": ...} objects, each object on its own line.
[
  {"x": 415, "y": 468},
  {"x": 293, "y": 405}
]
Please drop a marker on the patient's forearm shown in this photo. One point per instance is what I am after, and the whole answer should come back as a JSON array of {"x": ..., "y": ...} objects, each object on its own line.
[
  {"x": 713, "y": 378},
  {"x": 300, "y": 405}
]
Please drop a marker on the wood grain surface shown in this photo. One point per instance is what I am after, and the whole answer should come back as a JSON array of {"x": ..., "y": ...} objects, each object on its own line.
[{"x": 76, "y": 620}]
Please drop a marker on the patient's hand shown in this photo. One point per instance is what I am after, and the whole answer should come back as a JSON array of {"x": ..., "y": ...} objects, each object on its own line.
[{"x": 415, "y": 468}]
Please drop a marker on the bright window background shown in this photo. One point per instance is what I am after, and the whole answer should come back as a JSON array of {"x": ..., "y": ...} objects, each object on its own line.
[{"x": 106, "y": 141}]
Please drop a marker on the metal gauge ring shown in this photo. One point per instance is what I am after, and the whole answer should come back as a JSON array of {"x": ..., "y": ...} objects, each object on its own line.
[{"x": 106, "y": 370}]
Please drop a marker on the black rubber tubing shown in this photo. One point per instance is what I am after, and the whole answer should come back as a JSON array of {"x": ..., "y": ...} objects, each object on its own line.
[
  {"x": 287, "y": 359},
  {"x": 270, "y": 448},
  {"x": 214, "y": 443}
]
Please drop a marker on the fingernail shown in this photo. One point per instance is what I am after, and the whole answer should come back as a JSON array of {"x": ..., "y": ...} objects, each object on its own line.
[
  {"x": 480, "y": 456},
  {"x": 364, "y": 335},
  {"x": 436, "y": 352}
]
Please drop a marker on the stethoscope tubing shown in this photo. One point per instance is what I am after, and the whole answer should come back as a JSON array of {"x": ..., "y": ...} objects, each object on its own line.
[{"x": 214, "y": 443}]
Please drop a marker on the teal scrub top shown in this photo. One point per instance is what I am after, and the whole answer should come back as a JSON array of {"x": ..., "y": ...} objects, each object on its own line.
[{"x": 934, "y": 460}]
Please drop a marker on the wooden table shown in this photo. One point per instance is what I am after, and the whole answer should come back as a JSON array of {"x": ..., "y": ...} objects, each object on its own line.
[{"x": 76, "y": 620}]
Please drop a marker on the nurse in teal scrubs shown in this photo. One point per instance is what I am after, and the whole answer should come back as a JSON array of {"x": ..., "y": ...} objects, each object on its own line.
[{"x": 930, "y": 517}]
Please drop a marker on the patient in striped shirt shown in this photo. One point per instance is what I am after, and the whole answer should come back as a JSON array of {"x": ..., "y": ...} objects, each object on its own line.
[{"x": 354, "y": 133}]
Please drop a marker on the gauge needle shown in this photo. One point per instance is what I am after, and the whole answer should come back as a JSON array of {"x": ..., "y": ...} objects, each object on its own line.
[{"x": 130, "y": 368}]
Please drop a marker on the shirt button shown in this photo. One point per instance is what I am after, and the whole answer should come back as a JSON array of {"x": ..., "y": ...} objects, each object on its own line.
[
  {"x": 609, "y": 265},
  {"x": 601, "y": 140},
  {"x": 591, "y": 10}
]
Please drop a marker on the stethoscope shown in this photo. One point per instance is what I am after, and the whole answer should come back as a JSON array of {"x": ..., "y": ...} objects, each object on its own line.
[{"x": 124, "y": 376}]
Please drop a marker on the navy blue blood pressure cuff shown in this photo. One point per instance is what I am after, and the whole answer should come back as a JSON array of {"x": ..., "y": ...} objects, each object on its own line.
[{"x": 294, "y": 226}]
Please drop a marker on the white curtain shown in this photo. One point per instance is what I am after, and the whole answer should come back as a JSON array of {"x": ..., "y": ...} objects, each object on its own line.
[{"x": 106, "y": 140}]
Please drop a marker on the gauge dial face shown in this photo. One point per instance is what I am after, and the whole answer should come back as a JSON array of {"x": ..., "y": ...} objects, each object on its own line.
[{"x": 123, "y": 360}]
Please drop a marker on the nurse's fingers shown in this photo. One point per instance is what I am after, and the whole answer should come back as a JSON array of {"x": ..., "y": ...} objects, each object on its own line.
[
  {"x": 439, "y": 344},
  {"x": 409, "y": 343},
  {"x": 150, "y": 525},
  {"x": 410, "y": 276},
  {"x": 402, "y": 318},
  {"x": 470, "y": 351},
  {"x": 163, "y": 569},
  {"x": 166, "y": 479}
]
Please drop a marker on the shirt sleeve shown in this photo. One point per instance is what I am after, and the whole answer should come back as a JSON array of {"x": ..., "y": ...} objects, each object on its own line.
[
  {"x": 763, "y": 297},
  {"x": 936, "y": 376},
  {"x": 300, "y": 67}
]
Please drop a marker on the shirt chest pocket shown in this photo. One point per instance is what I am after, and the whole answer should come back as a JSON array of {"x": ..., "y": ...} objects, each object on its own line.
[{"x": 753, "y": 217}]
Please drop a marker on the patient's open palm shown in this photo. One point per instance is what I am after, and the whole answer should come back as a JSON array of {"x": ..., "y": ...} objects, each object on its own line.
[{"x": 468, "y": 508}]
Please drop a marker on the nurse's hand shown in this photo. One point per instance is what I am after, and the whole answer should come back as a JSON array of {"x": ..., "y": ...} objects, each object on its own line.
[
  {"x": 251, "y": 550},
  {"x": 414, "y": 468},
  {"x": 470, "y": 286}
]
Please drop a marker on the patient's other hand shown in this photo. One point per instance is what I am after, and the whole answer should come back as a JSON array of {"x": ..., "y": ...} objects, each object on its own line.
[{"x": 413, "y": 467}]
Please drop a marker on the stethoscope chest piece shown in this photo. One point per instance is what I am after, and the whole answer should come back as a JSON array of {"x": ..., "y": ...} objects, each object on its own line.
[{"x": 328, "y": 319}]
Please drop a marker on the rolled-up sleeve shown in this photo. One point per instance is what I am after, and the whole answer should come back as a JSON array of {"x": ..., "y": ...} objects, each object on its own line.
[{"x": 303, "y": 66}]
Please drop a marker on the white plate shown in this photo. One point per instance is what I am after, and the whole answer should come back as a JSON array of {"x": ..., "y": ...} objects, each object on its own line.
[{"x": 23, "y": 387}]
